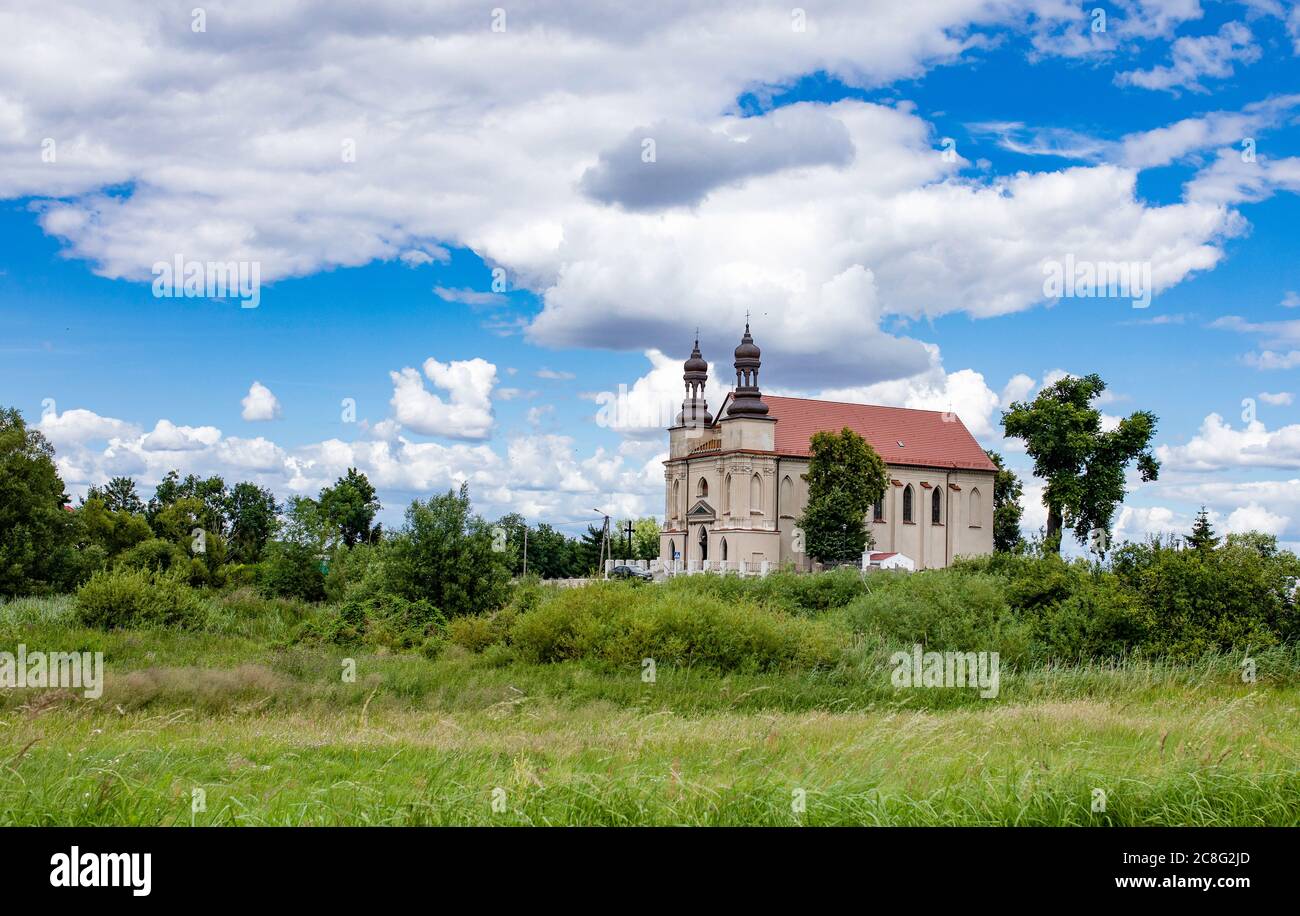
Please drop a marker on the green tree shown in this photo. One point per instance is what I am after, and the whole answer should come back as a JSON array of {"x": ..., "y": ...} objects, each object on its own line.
[
  {"x": 112, "y": 530},
  {"x": 645, "y": 539},
  {"x": 349, "y": 508},
  {"x": 846, "y": 476},
  {"x": 552, "y": 554},
  {"x": 118, "y": 495},
  {"x": 588, "y": 550},
  {"x": 1007, "y": 490},
  {"x": 210, "y": 492},
  {"x": 1083, "y": 466},
  {"x": 253, "y": 514},
  {"x": 35, "y": 528},
  {"x": 444, "y": 554},
  {"x": 1202, "y": 536}
]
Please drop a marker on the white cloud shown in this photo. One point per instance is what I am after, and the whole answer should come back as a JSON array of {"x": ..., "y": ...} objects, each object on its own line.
[
  {"x": 1194, "y": 58},
  {"x": 467, "y": 414},
  {"x": 166, "y": 436},
  {"x": 260, "y": 404},
  {"x": 1256, "y": 518},
  {"x": 846, "y": 211},
  {"x": 1217, "y": 445},
  {"x": 1268, "y": 359},
  {"x": 79, "y": 426},
  {"x": 1278, "y": 398}
]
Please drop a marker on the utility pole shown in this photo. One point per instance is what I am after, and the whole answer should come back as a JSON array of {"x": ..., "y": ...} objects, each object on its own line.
[
  {"x": 604, "y": 542},
  {"x": 525, "y": 551}
]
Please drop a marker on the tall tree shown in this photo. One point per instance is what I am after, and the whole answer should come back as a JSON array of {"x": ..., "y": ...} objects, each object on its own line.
[
  {"x": 845, "y": 478},
  {"x": 118, "y": 495},
  {"x": 210, "y": 491},
  {"x": 1007, "y": 490},
  {"x": 35, "y": 529},
  {"x": 349, "y": 507},
  {"x": 253, "y": 514},
  {"x": 1083, "y": 466},
  {"x": 444, "y": 554},
  {"x": 1202, "y": 536}
]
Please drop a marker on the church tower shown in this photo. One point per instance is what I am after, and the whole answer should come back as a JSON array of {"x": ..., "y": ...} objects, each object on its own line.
[
  {"x": 695, "y": 410},
  {"x": 745, "y": 423}
]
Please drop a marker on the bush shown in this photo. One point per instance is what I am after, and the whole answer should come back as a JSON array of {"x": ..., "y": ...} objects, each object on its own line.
[
  {"x": 943, "y": 609},
  {"x": 1211, "y": 600},
  {"x": 390, "y": 621},
  {"x": 123, "y": 597},
  {"x": 619, "y": 624},
  {"x": 795, "y": 593},
  {"x": 289, "y": 570},
  {"x": 155, "y": 555}
]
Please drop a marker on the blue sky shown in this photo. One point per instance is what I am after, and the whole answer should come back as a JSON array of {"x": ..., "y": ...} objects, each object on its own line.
[{"x": 798, "y": 174}]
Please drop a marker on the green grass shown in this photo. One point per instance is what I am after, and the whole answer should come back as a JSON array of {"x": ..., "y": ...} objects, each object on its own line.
[{"x": 271, "y": 733}]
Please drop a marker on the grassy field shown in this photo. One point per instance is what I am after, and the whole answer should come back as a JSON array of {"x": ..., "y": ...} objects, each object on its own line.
[{"x": 272, "y": 735}]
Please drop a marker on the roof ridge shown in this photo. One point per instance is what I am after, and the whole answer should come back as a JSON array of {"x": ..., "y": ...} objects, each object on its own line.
[{"x": 786, "y": 397}]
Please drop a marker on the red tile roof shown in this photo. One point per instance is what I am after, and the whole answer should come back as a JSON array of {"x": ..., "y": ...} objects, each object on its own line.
[{"x": 928, "y": 438}]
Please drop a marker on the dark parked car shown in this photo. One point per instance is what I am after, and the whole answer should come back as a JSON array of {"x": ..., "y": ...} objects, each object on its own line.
[{"x": 630, "y": 572}]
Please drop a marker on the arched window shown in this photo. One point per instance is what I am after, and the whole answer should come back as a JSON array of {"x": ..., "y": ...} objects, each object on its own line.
[
  {"x": 676, "y": 507},
  {"x": 756, "y": 494},
  {"x": 907, "y": 503},
  {"x": 976, "y": 518},
  {"x": 702, "y": 488},
  {"x": 723, "y": 547},
  {"x": 936, "y": 508},
  {"x": 787, "y": 495},
  {"x": 878, "y": 510},
  {"x": 726, "y": 494}
]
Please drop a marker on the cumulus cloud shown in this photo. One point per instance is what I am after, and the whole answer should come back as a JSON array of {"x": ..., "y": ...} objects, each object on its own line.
[
  {"x": 79, "y": 426},
  {"x": 844, "y": 210},
  {"x": 1217, "y": 445},
  {"x": 166, "y": 436},
  {"x": 465, "y": 414},
  {"x": 260, "y": 404},
  {"x": 678, "y": 163},
  {"x": 1194, "y": 58}
]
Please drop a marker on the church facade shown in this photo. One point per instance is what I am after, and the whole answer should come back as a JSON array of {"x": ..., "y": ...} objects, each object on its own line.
[{"x": 734, "y": 485}]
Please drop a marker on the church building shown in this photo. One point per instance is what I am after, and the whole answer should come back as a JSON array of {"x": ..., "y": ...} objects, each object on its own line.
[{"x": 734, "y": 485}]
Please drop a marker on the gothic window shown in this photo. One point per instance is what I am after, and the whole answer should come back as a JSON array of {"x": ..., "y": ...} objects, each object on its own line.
[
  {"x": 936, "y": 508},
  {"x": 726, "y": 495},
  {"x": 976, "y": 519},
  {"x": 787, "y": 495},
  {"x": 878, "y": 510},
  {"x": 677, "y": 498},
  {"x": 756, "y": 494},
  {"x": 704, "y": 543},
  {"x": 907, "y": 504},
  {"x": 723, "y": 545},
  {"x": 702, "y": 489}
]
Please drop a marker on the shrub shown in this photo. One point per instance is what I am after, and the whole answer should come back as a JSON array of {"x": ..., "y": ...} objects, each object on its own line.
[
  {"x": 942, "y": 609},
  {"x": 290, "y": 570},
  {"x": 619, "y": 624},
  {"x": 1230, "y": 598},
  {"x": 384, "y": 620},
  {"x": 807, "y": 594},
  {"x": 123, "y": 597},
  {"x": 155, "y": 555}
]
